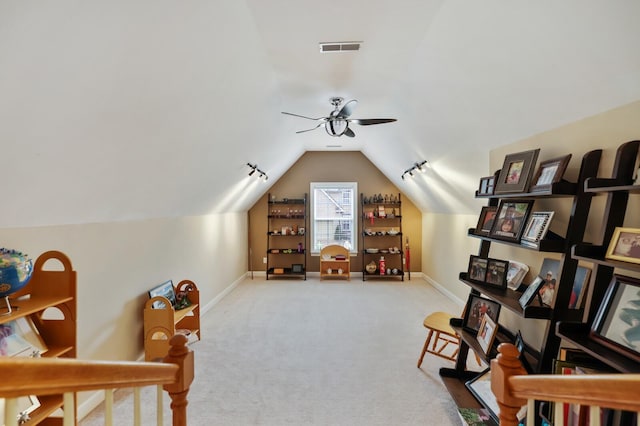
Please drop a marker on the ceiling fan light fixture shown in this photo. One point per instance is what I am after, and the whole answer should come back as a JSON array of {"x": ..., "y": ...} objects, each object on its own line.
[{"x": 336, "y": 127}]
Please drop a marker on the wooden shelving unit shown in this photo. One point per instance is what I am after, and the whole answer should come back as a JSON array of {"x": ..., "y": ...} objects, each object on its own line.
[
  {"x": 376, "y": 236},
  {"x": 332, "y": 267},
  {"x": 455, "y": 378},
  {"x": 287, "y": 237},
  {"x": 161, "y": 324},
  {"x": 55, "y": 290}
]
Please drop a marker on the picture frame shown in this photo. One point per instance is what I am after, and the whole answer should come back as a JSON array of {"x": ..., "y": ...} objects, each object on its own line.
[
  {"x": 510, "y": 220},
  {"x": 296, "y": 268},
  {"x": 624, "y": 245},
  {"x": 522, "y": 349},
  {"x": 616, "y": 322},
  {"x": 548, "y": 173},
  {"x": 497, "y": 273},
  {"x": 167, "y": 290},
  {"x": 485, "y": 220},
  {"x": 536, "y": 228},
  {"x": 477, "y": 307},
  {"x": 477, "y": 270},
  {"x": 530, "y": 292},
  {"x": 480, "y": 387},
  {"x": 20, "y": 338},
  {"x": 487, "y": 184},
  {"x": 487, "y": 333},
  {"x": 26, "y": 405},
  {"x": 516, "y": 273},
  {"x": 516, "y": 173},
  {"x": 550, "y": 271}
]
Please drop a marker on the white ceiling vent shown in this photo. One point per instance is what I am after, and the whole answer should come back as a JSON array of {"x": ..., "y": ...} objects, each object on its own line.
[{"x": 340, "y": 46}]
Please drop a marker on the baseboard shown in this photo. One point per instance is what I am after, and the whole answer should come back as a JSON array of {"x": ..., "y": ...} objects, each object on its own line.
[
  {"x": 444, "y": 290},
  {"x": 206, "y": 308}
]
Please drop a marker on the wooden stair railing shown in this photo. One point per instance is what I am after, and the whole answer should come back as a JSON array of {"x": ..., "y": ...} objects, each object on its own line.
[
  {"x": 513, "y": 388},
  {"x": 67, "y": 376}
]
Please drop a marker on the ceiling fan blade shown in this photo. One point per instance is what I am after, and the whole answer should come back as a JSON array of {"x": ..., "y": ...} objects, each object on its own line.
[
  {"x": 370, "y": 121},
  {"x": 349, "y": 133},
  {"x": 308, "y": 118},
  {"x": 308, "y": 130},
  {"x": 347, "y": 109}
]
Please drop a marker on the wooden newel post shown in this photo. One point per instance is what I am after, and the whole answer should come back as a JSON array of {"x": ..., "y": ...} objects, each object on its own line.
[
  {"x": 505, "y": 365},
  {"x": 182, "y": 356}
]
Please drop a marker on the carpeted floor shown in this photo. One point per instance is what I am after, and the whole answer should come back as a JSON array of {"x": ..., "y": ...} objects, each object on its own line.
[{"x": 314, "y": 353}]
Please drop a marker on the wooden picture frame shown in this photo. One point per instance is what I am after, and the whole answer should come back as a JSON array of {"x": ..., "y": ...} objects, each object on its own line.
[
  {"x": 487, "y": 333},
  {"x": 516, "y": 172},
  {"x": 477, "y": 271},
  {"x": 487, "y": 184},
  {"x": 624, "y": 245},
  {"x": 486, "y": 219},
  {"x": 165, "y": 289},
  {"x": 536, "y": 228},
  {"x": 530, "y": 292},
  {"x": 549, "y": 172},
  {"x": 616, "y": 322},
  {"x": 510, "y": 220},
  {"x": 497, "y": 273},
  {"x": 477, "y": 307}
]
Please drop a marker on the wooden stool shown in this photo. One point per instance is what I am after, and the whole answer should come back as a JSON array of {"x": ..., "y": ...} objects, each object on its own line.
[{"x": 441, "y": 333}]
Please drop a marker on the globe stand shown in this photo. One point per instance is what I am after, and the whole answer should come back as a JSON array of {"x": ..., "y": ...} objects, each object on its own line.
[{"x": 7, "y": 307}]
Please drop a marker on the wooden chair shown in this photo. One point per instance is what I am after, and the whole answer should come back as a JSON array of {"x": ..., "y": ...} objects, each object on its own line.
[{"x": 440, "y": 336}]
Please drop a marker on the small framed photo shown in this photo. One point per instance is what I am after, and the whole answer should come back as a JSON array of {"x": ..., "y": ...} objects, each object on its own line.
[
  {"x": 516, "y": 273},
  {"x": 477, "y": 308},
  {"x": 20, "y": 338},
  {"x": 296, "y": 268},
  {"x": 516, "y": 172},
  {"x": 497, "y": 273},
  {"x": 486, "y": 185},
  {"x": 520, "y": 345},
  {"x": 167, "y": 290},
  {"x": 486, "y": 333},
  {"x": 616, "y": 323},
  {"x": 624, "y": 245},
  {"x": 480, "y": 387},
  {"x": 477, "y": 269},
  {"x": 510, "y": 219},
  {"x": 486, "y": 219},
  {"x": 531, "y": 292},
  {"x": 549, "y": 172},
  {"x": 536, "y": 228}
]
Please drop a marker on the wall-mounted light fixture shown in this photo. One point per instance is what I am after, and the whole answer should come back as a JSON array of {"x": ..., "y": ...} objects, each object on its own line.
[
  {"x": 416, "y": 166},
  {"x": 254, "y": 168}
]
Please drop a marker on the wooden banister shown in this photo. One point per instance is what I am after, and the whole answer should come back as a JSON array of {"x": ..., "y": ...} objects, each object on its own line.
[
  {"x": 54, "y": 376},
  {"x": 513, "y": 387}
]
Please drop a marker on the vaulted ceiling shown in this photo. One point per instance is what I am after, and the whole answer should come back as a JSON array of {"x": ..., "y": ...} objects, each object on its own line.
[{"x": 124, "y": 110}]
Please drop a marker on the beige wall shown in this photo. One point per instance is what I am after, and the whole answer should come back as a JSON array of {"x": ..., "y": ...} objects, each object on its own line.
[
  {"x": 325, "y": 166},
  {"x": 448, "y": 254}
]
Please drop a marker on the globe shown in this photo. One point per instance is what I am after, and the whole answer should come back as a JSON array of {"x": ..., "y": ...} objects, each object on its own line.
[{"x": 15, "y": 271}]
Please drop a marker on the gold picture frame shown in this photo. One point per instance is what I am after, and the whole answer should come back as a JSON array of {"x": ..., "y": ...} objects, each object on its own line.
[{"x": 624, "y": 245}]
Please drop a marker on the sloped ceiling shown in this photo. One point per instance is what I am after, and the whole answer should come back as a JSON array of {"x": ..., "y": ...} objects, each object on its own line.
[{"x": 126, "y": 110}]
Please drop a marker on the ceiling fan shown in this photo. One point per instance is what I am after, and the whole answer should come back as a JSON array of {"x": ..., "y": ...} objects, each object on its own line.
[{"x": 337, "y": 123}]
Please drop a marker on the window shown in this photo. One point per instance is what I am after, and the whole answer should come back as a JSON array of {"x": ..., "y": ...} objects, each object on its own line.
[{"x": 333, "y": 215}]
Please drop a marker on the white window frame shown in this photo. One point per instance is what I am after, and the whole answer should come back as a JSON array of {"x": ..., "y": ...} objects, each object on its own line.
[{"x": 353, "y": 186}]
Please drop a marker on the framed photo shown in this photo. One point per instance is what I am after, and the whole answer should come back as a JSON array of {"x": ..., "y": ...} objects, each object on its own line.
[
  {"x": 617, "y": 323},
  {"x": 296, "y": 268},
  {"x": 515, "y": 274},
  {"x": 486, "y": 219},
  {"x": 580, "y": 287},
  {"x": 477, "y": 269},
  {"x": 510, "y": 219},
  {"x": 624, "y": 245},
  {"x": 549, "y": 172},
  {"x": 531, "y": 292},
  {"x": 26, "y": 405},
  {"x": 165, "y": 289},
  {"x": 477, "y": 308},
  {"x": 486, "y": 333},
  {"x": 480, "y": 387},
  {"x": 497, "y": 273},
  {"x": 20, "y": 338},
  {"x": 520, "y": 345},
  {"x": 536, "y": 228},
  {"x": 486, "y": 185},
  {"x": 516, "y": 172}
]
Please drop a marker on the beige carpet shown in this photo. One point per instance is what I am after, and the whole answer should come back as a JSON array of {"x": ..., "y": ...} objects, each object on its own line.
[{"x": 314, "y": 353}]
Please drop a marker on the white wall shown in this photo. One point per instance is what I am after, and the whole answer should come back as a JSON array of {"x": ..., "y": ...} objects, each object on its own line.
[{"x": 117, "y": 263}]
